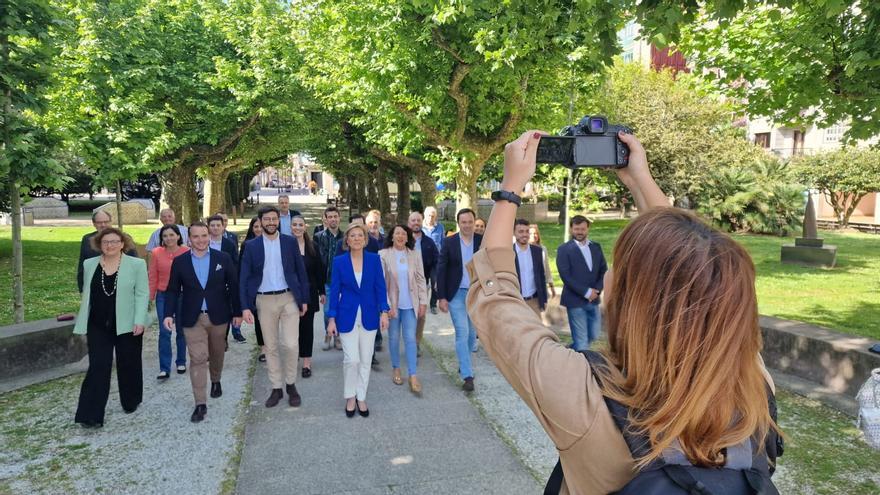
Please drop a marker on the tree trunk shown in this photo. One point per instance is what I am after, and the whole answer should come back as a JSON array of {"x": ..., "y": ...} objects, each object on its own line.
[
  {"x": 466, "y": 185},
  {"x": 172, "y": 194},
  {"x": 119, "y": 204},
  {"x": 428, "y": 187},
  {"x": 190, "y": 199},
  {"x": 403, "y": 196},
  {"x": 383, "y": 197},
  {"x": 215, "y": 192},
  {"x": 372, "y": 191},
  {"x": 17, "y": 253}
]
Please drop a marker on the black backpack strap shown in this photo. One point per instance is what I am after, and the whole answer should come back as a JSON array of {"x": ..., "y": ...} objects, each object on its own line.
[
  {"x": 554, "y": 484},
  {"x": 681, "y": 477}
]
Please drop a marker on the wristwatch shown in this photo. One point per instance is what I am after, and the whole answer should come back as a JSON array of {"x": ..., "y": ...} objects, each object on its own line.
[{"x": 507, "y": 196}]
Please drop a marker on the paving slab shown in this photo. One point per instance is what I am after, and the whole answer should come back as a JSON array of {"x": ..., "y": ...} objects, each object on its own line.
[{"x": 408, "y": 444}]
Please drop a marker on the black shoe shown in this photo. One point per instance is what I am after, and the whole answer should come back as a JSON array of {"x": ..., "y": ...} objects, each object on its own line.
[
  {"x": 293, "y": 397},
  {"x": 363, "y": 413},
  {"x": 348, "y": 413},
  {"x": 133, "y": 409},
  {"x": 216, "y": 390},
  {"x": 163, "y": 375},
  {"x": 262, "y": 358},
  {"x": 239, "y": 338},
  {"x": 181, "y": 369},
  {"x": 434, "y": 310},
  {"x": 306, "y": 372},
  {"x": 199, "y": 413},
  {"x": 468, "y": 385},
  {"x": 274, "y": 397}
]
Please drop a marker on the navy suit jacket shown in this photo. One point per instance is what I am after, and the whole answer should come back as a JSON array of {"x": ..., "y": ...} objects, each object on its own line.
[
  {"x": 229, "y": 247},
  {"x": 220, "y": 293},
  {"x": 252, "y": 271},
  {"x": 430, "y": 254},
  {"x": 577, "y": 278},
  {"x": 346, "y": 295},
  {"x": 449, "y": 265},
  {"x": 537, "y": 272}
]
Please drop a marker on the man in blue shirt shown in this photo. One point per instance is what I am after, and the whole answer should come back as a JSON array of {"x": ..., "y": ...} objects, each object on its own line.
[
  {"x": 582, "y": 268},
  {"x": 285, "y": 214},
  {"x": 453, "y": 282}
]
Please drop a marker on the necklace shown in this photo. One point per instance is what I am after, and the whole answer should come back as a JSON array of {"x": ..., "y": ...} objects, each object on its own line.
[{"x": 115, "y": 280}]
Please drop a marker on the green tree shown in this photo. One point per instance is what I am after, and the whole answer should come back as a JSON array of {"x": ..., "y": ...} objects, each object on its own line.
[
  {"x": 457, "y": 77},
  {"x": 687, "y": 131},
  {"x": 27, "y": 29},
  {"x": 844, "y": 176},
  {"x": 797, "y": 62}
]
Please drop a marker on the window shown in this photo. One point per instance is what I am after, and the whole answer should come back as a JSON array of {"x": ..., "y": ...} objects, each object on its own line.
[
  {"x": 762, "y": 139},
  {"x": 834, "y": 133},
  {"x": 798, "y": 146},
  {"x": 628, "y": 56}
]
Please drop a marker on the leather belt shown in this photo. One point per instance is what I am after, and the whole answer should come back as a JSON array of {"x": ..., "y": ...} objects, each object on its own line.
[{"x": 273, "y": 292}]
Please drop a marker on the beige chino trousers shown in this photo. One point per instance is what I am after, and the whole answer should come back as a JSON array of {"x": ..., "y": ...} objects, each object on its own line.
[
  {"x": 279, "y": 320},
  {"x": 206, "y": 345}
]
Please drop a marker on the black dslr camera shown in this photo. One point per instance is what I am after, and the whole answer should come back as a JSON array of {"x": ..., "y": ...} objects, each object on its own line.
[{"x": 592, "y": 142}]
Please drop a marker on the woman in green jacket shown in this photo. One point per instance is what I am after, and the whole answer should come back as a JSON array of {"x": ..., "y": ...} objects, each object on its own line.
[{"x": 112, "y": 315}]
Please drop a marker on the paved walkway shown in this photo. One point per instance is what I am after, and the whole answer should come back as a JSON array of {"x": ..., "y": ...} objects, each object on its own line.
[{"x": 437, "y": 443}]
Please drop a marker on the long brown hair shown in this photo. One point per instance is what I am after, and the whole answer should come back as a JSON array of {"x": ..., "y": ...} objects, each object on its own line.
[{"x": 682, "y": 320}]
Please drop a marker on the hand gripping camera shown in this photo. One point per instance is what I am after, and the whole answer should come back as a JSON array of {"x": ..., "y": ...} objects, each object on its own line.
[{"x": 592, "y": 142}]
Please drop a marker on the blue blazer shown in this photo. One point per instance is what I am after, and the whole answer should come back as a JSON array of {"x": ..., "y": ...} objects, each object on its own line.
[
  {"x": 252, "y": 271},
  {"x": 220, "y": 293},
  {"x": 576, "y": 277},
  {"x": 449, "y": 266},
  {"x": 429, "y": 255},
  {"x": 346, "y": 295},
  {"x": 537, "y": 272}
]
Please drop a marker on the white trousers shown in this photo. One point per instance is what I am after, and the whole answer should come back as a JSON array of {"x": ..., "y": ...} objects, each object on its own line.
[{"x": 357, "y": 347}]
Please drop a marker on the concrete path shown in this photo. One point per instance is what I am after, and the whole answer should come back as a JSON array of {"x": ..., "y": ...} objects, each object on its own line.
[{"x": 437, "y": 443}]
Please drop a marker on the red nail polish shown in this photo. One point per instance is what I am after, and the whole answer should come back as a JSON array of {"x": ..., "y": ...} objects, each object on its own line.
[{"x": 537, "y": 135}]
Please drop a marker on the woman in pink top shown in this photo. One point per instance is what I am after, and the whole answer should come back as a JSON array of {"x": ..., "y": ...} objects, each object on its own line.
[{"x": 159, "y": 272}]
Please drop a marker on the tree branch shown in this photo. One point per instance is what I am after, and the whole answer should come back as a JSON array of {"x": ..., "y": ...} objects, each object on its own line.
[
  {"x": 441, "y": 42},
  {"x": 406, "y": 161},
  {"x": 211, "y": 152},
  {"x": 462, "y": 101},
  {"x": 434, "y": 137},
  {"x": 513, "y": 120}
]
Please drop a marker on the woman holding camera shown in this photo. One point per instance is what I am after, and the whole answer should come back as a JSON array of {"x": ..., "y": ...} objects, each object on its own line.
[{"x": 682, "y": 361}]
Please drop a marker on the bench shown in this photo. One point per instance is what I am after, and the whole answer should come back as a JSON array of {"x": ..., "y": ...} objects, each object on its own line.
[{"x": 39, "y": 345}]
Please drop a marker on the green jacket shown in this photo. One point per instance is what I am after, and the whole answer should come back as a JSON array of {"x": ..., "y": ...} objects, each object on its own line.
[{"x": 132, "y": 295}]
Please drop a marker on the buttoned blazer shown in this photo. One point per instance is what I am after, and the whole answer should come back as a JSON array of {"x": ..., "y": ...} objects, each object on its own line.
[
  {"x": 252, "y": 262},
  {"x": 415, "y": 275},
  {"x": 449, "y": 265},
  {"x": 538, "y": 273},
  {"x": 577, "y": 278},
  {"x": 346, "y": 296},
  {"x": 132, "y": 294},
  {"x": 220, "y": 292}
]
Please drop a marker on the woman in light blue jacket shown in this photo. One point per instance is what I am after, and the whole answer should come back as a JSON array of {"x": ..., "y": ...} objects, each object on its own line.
[{"x": 112, "y": 315}]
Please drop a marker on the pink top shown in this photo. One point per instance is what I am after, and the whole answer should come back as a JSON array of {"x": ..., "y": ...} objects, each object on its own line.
[{"x": 160, "y": 268}]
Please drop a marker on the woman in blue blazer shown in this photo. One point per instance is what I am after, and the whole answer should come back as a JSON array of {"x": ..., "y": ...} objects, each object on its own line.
[{"x": 357, "y": 306}]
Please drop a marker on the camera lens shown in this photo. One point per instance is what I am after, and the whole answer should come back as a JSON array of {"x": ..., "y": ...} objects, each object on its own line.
[{"x": 597, "y": 125}]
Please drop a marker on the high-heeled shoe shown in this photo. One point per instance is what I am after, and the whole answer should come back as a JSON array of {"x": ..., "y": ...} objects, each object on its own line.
[
  {"x": 364, "y": 413},
  {"x": 348, "y": 413}
]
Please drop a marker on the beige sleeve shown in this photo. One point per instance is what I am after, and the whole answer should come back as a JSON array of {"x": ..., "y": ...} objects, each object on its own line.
[{"x": 554, "y": 381}]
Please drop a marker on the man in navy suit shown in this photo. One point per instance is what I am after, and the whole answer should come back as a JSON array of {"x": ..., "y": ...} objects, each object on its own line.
[
  {"x": 232, "y": 236},
  {"x": 529, "y": 268},
  {"x": 208, "y": 280},
  {"x": 425, "y": 245},
  {"x": 453, "y": 281},
  {"x": 221, "y": 243},
  {"x": 582, "y": 267},
  {"x": 275, "y": 283}
]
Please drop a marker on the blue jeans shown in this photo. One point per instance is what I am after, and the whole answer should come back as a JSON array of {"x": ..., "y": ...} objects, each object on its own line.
[
  {"x": 465, "y": 333},
  {"x": 165, "y": 338},
  {"x": 326, "y": 306},
  {"x": 404, "y": 323},
  {"x": 585, "y": 323}
]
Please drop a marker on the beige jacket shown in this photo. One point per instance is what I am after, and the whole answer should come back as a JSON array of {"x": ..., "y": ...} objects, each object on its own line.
[
  {"x": 553, "y": 380},
  {"x": 418, "y": 289}
]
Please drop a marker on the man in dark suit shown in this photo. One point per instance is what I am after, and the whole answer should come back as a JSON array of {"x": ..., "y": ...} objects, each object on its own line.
[
  {"x": 453, "y": 281},
  {"x": 529, "y": 268},
  {"x": 208, "y": 281},
  {"x": 425, "y": 245},
  {"x": 274, "y": 282},
  {"x": 232, "y": 236},
  {"x": 582, "y": 267},
  {"x": 285, "y": 214},
  {"x": 101, "y": 220},
  {"x": 221, "y": 243}
]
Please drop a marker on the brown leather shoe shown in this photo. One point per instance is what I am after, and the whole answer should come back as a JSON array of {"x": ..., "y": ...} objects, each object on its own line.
[
  {"x": 414, "y": 385},
  {"x": 468, "y": 385},
  {"x": 293, "y": 397},
  {"x": 274, "y": 397}
]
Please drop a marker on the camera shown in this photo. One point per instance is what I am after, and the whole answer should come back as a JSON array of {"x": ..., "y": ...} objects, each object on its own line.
[{"x": 592, "y": 142}]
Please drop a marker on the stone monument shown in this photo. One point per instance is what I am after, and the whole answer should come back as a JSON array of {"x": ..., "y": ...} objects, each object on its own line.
[{"x": 810, "y": 249}]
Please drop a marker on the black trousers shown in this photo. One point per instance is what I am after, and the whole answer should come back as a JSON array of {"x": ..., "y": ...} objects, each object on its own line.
[
  {"x": 307, "y": 332},
  {"x": 432, "y": 284},
  {"x": 258, "y": 330},
  {"x": 95, "y": 388}
]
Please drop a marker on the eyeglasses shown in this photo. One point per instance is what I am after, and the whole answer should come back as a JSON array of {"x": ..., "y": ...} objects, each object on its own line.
[{"x": 110, "y": 242}]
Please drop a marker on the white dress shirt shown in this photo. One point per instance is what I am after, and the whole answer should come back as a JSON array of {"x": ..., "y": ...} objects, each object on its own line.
[
  {"x": 588, "y": 257},
  {"x": 273, "y": 270},
  {"x": 526, "y": 272}
]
